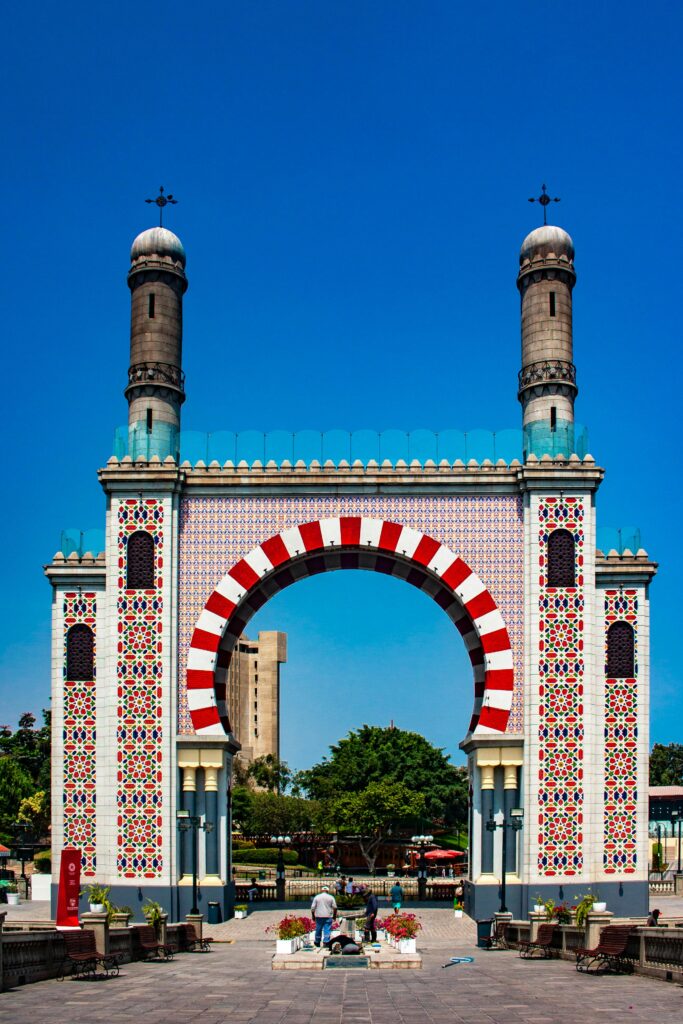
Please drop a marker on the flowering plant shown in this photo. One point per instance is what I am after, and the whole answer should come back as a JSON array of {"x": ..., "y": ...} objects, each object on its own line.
[
  {"x": 291, "y": 926},
  {"x": 400, "y": 926},
  {"x": 559, "y": 912}
]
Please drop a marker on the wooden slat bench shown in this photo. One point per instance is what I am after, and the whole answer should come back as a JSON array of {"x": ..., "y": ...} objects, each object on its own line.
[
  {"x": 145, "y": 944},
  {"x": 609, "y": 954},
  {"x": 191, "y": 941},
  {"x": 81, "y": 958},
  {"x": 498, "y": 939},
  {"x": 542, "y": 943}
]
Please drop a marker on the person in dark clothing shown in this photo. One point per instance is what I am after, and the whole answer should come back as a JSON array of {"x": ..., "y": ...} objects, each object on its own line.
[
  {"x": 653, "y": 919},
  {"x": 371, "y": 912}
]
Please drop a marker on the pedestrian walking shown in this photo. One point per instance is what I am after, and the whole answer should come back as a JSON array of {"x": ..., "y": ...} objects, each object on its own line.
[
  {"x": 397, "y": 896},
  {"x": 371, "y": 912}
]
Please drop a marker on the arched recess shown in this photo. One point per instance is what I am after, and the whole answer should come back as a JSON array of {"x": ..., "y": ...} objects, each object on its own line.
[{"x": 350, "y": 542}]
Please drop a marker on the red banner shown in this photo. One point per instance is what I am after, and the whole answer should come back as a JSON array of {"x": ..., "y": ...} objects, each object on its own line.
[{"x": 69, "y": 888}]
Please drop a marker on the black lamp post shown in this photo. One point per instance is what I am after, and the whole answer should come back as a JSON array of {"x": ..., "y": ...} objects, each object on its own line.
[
  {"x": 281, "y": 842},
  {"x": 187, "y": 822},
  {"x": 24, "y": 845},
  {"x": 676, "y": 820},
  {"x": 422, "y": 842},
  {"x": 515, "y": 823}
]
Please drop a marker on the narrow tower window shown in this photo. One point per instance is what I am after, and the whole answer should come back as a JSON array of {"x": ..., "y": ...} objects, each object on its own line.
[
  {"x": 553, "y": 417},
  {"x": 150, "y": 308},
  {"x": 552, "y": 304},
  {"x": 561, "y": 560},
  {"x": 80, "y": 653},
  {"x": 620, "y": 651},
  {"x": 140, "y": 561},
  {"x": 149, "y": 421}
]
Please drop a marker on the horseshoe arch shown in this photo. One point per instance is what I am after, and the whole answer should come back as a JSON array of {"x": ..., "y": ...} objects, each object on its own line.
[{"x": 350, "y": 542}]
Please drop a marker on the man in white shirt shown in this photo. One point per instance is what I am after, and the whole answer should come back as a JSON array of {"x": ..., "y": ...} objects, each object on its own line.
[{"x": 324, "y": 910}]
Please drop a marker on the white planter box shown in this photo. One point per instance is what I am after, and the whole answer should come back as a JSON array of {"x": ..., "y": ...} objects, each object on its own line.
[
  {"x": 407, "y": 945},
  {"x": 40, "y": 886},
  {"x": 457, "y": 913},
  {"x": 13, "y": 899},
  {"x": 599, "y": 908},
  {"x": 284, "y": 946},
  {"x": 241, "y": 914}
]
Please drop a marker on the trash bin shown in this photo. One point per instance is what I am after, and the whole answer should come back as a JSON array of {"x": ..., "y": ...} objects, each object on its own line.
[
  {"x": 261, "y": 876},
  {"x": 213, "y": 913},
  {"x": 484, "y": 933}
]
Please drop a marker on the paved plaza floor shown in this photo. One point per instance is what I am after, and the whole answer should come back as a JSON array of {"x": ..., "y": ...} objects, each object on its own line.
[{"x": 234, "y": 984}]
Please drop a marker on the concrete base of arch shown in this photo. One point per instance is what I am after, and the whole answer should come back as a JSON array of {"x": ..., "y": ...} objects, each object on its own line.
[{"x": 624, "y": 899}]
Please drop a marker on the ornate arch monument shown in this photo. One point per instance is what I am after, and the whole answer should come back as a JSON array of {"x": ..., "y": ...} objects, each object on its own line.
[{"x": 508, "y": 547}]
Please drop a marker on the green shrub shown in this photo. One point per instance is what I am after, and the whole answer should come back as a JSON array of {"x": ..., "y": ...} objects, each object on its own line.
[
  {"x": 43, "y": 862},
  {"x": 264, "y": 856},
  {"x": 243, "y": 844}
]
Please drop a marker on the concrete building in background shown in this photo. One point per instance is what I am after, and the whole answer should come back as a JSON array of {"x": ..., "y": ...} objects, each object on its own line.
[
  {"x": 152, "y": 685},
  {"x": 254, "y": 694}
]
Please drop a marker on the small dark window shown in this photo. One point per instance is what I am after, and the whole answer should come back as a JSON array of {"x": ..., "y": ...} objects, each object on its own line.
[
  {"x": 561, "y": 567},
  {"x": 553, "y": 417},
  {"x": 620, "y": 651},
  {"x": 80, "y": 653},
  {"x": 140, "y": 561},
  {"x": 552, "y": 304},
  {"x": 149, "y": 421},
  {"x": 150, "y": 308}
]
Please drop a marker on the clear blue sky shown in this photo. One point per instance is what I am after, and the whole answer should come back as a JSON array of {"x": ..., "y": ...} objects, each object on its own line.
[{"x": 353, "y": 182}]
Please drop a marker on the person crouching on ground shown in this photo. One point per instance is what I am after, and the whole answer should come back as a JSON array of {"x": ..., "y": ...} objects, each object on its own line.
[{"x": 323, "y": 911}]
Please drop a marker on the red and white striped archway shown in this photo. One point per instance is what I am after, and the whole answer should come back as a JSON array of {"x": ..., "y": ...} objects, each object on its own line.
[{"x": 350, "y": 542}]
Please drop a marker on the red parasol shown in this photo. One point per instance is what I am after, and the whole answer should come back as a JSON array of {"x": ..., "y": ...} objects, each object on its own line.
[{"x": 444, "y": 855}]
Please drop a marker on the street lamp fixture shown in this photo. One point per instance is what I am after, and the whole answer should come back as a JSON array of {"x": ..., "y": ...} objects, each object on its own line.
[
  {"x": 187, "y": 822},
  {"x": 422, "y": 842},
  {"x": 281, "y": 842},
  {"x": 515, "y": 823},
  {"x": 676, "y": 817}
]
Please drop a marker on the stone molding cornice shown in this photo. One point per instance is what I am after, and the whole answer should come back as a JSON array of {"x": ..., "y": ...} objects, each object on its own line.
[
  {"x": 614, "y": 569},
  {"x": 445, "y": 478},
  {"x": 76, "y": 572}
]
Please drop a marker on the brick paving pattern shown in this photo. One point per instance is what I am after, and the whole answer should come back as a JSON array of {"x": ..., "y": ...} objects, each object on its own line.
[{"x": 235, "y": 985}]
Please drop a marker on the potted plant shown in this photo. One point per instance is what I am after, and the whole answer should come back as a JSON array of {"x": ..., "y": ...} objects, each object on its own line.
[
  {"x": 403, "y": 929},
  {"x": 154, "y": 914},
  {"x": 12, "y": 892},
  {"x": 241, "y": 910},
  {"x": 98, "y": 898},
  {"x": 560, "y": 912},
  {"x": 289, "y": 932},
  {"x": 539, "y": 904},
  {"x": 391, "y": 870},
  {"x": 119, "y": 916},
  {"x": 583, "y": 908}
]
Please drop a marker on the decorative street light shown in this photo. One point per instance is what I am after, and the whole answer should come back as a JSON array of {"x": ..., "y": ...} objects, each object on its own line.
[
  {"x": 422, "y": 842},
  {"x": 281, "y": 842},
  {"x": 676, "y": 820},
  {"x": 187, "y": 822},
  {"x": 24, "y": 844},
  {"x": 515, "y": 823}
]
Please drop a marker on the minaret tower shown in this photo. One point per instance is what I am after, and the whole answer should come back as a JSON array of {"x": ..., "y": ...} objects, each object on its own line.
[
  {"x": 547, "y": 381},
  {"x": 156, "y": 382}
]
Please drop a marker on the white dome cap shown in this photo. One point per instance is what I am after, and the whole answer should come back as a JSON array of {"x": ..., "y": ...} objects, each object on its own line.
[
  {"x": 158, "y": 242},
  {"x": 547, "y": 241}
]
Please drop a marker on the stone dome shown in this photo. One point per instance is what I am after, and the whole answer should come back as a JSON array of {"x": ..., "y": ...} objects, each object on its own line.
[
  {"x": 158, "y": 242},
  {"x": 546, "y": 241}
]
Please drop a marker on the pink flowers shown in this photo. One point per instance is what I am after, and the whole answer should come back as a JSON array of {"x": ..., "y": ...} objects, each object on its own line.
[
  {"x": 291, "y": 926},
  {"x": 400, "y": 926}
]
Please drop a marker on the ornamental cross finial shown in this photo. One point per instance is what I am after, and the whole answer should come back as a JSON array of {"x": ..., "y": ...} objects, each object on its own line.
[
  {"x": 544, "y": 199},
  {"x": 162, "y": 201}
]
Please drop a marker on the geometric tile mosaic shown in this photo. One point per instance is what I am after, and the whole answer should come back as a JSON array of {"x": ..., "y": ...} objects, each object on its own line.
[
  {"x": 560, "y": 709},
  {"x": 79, "y": 735},
  {"x": 485, "y": 531},
  {"x": 139, "y": 707},
  {"x": 621, "y": 747}
]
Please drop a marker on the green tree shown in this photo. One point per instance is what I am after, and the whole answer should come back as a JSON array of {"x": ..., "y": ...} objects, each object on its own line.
[
  {"x": 35, "y": 810},
  {"x": 371, "y": 814},
  {"x": 269, "y": 772},
  {"x": 373, "y": 754},
  {"x": 666, "y": 765},
  {"x": 15, "y": 785},
  {"x": 266, "y": 814}
]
